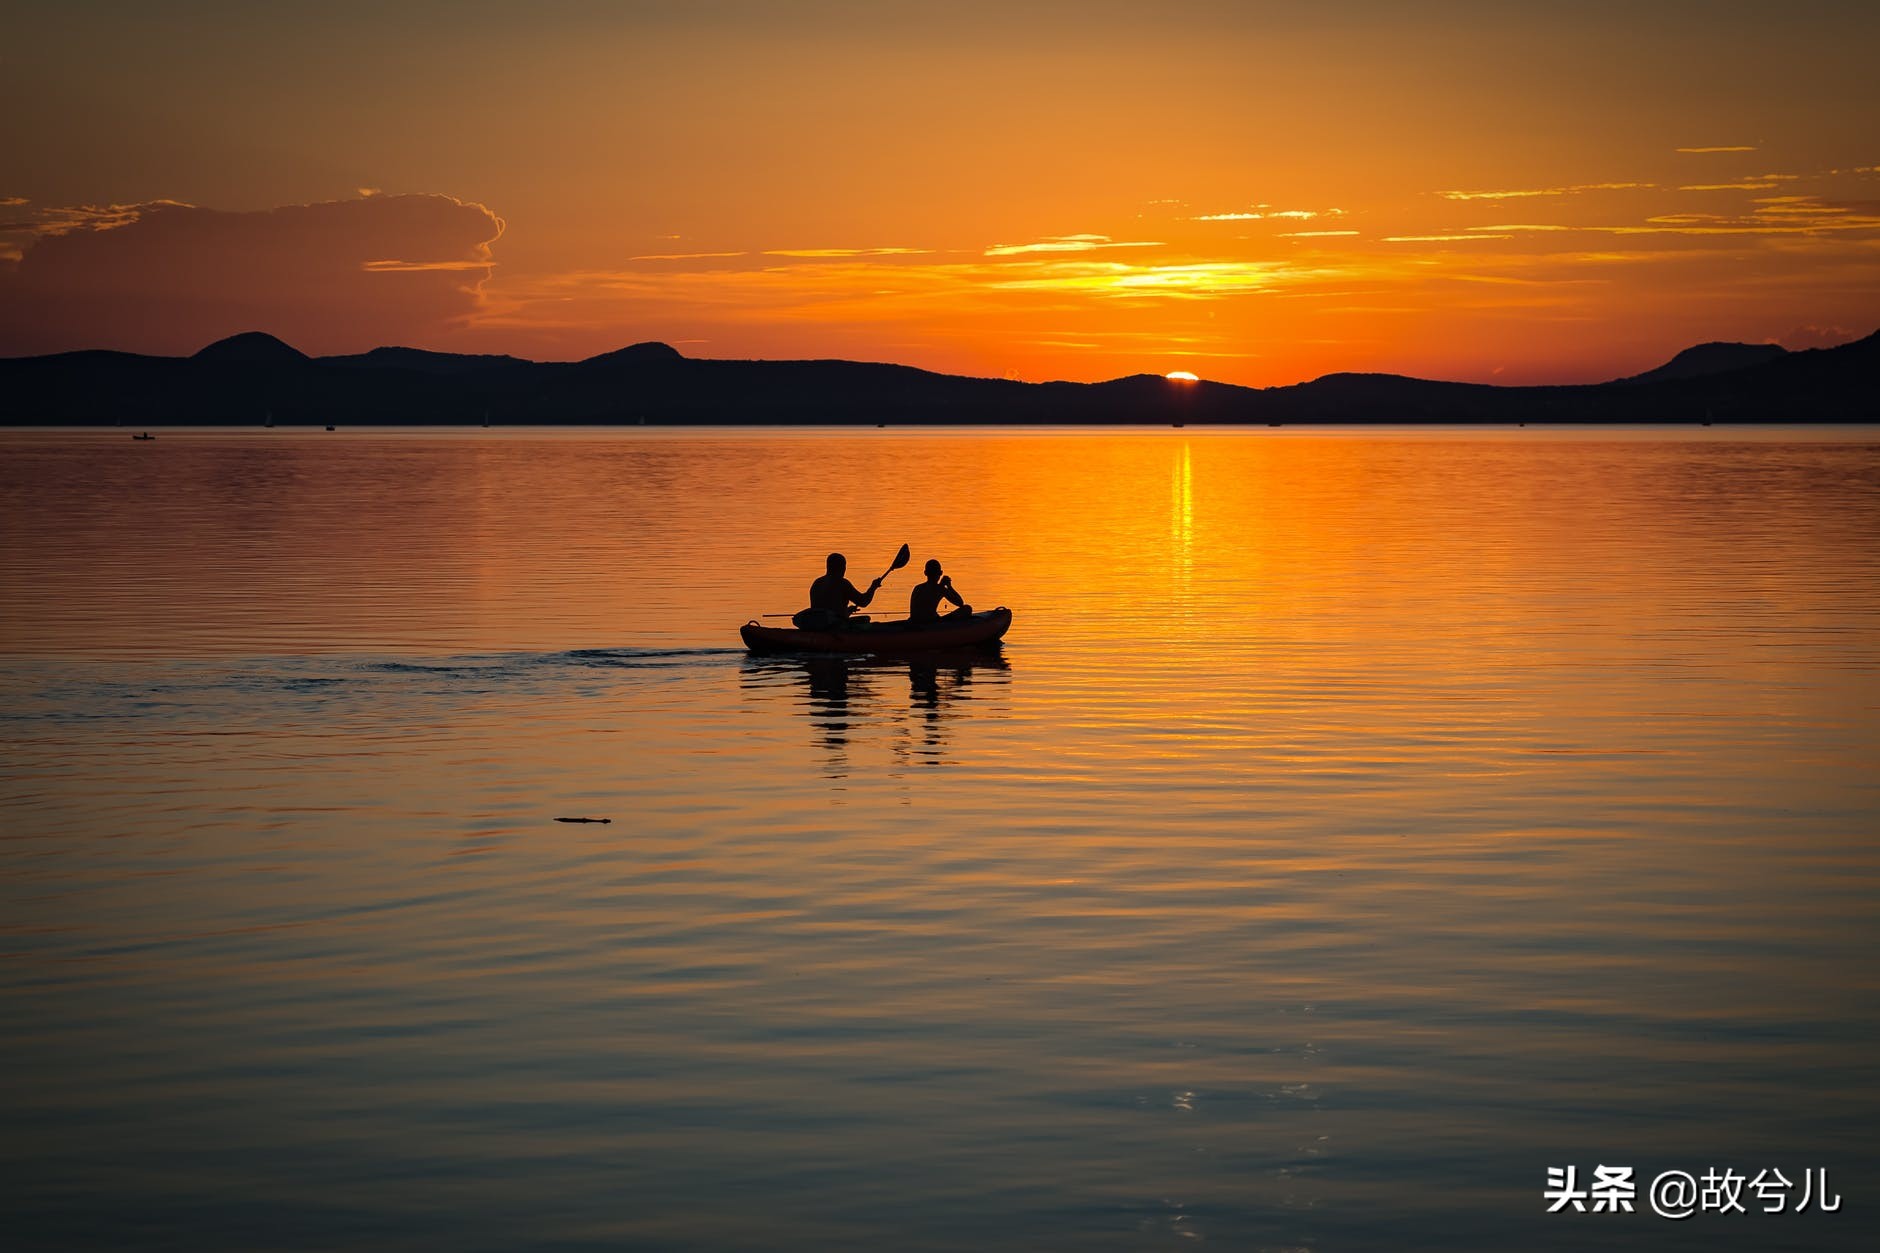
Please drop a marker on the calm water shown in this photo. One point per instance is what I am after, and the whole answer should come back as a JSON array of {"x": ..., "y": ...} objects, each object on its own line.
[{"x": 1354, "y": 826}]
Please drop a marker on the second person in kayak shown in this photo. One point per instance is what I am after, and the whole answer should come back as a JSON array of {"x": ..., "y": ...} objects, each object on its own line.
[{"x": 923, "y": 603}]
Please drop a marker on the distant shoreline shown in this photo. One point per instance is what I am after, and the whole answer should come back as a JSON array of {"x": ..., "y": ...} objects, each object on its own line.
[{"x": 252, "y": 380}]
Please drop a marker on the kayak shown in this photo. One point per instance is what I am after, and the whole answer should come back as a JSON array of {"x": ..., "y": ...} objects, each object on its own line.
[{"x": 882, "y": 638}]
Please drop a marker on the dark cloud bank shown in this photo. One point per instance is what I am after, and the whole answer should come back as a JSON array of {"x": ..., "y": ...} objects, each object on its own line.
[{"x": 166, "y": 278}]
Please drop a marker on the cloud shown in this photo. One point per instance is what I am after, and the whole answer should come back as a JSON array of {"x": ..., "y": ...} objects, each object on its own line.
[
  {"x": 1773, "y": 215},
  {"x": 1265, "y": 212},
  {"x": 50, "y": 223},
  {"x": 869, "y": 292},
  {"x": 1313, "y": 234},
  {"x": 684, "y": 256},
  {"x": 1723, "y": 148},
  {"x": 1573, "y": 190},
  {"x": 1816, "y": 337},
  {"x": 9, "y": 201},
  {"x": 419, "y": 267},
  {"x": 1438, "y": 239},
  {"x": 168, "y": 277},
  {"x": 813, "y": 253},
  {"x": 1749, "y": 182},
  {"x": 1296, "y": 214},
  {"x": 1200, "y": 280},
  {"x": 1068, "y": 243}
]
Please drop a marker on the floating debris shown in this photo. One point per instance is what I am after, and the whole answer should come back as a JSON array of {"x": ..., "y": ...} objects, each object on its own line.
[{"x": 584, "y": 820}]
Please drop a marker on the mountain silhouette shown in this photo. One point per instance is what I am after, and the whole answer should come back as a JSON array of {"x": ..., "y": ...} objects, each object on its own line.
[
  {"x": 1710, "y": 359},
  {"x": 250, "y": 348},
  {"x": 421, "y": 361},
  {"x": 241, "y": 380},
  {"x": 650, "y": 353}
]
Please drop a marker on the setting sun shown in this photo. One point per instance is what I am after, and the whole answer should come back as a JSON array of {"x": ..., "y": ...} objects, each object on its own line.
[{"x": 1182, "y": 376}]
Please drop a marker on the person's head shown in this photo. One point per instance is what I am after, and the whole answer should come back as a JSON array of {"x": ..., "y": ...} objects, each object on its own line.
[
  {"x": 838, "y": 564},
  {"x": 932, "y": 569}
]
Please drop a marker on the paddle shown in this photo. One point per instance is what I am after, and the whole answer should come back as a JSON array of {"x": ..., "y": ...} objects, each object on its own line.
[{"x": 900, "y": 559}]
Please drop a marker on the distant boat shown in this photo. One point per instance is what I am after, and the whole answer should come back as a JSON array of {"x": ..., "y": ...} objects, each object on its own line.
[
  {"x": 1178, "y": 425},
  {"x": 329, "y": 426},
  {"x": 145, "y": 435}
]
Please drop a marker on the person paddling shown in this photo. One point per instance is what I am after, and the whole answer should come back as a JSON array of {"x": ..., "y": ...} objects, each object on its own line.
[
  {"x": 833, "y": 599},
  {"x": 923, "y": 603}
]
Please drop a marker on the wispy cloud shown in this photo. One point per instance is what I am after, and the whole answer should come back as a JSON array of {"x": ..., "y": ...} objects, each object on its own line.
[
  {"x": 1263, "y": 212},
  {"x": 1439, "y": 239},
  {"x": 1068, "y": 243},
  {"x": 423, "y": 267},
  {"x": 812, "y": 253},
  {"x": 881, "y": 289},
  {"x": 1198, "y": 280},
  {"x": 10, "y": 201},
  {"x": 1723, "y": 148},
  {"x": 1773, "y": 215},
  {"x": 685, "y": 256},
  {"x": 50, "y": 223},
  {"x": 1313, "y": 234},
  {"x": 1573, "y": 190}
]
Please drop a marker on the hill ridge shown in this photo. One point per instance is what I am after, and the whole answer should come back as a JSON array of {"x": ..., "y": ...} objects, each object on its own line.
[{"x": 240, "y": 379}]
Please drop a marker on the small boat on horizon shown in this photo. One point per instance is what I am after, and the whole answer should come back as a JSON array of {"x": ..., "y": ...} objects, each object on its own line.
[{"x": 145, "y": 435}]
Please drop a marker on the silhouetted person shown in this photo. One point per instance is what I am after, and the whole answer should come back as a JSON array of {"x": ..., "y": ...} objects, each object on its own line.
[
  {"x": 923, "y": 603},
  {"x": 831, "y": 596}
]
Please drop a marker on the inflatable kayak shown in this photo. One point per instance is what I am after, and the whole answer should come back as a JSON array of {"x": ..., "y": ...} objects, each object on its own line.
[{"x": 882, "y": 638}]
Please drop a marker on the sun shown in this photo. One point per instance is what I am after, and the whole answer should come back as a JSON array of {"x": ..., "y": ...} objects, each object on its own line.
[{"x": 1182, "y": 376}]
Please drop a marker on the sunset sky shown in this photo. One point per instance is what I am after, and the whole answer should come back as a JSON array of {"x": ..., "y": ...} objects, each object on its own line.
[{"x": 1257, "y": 192}]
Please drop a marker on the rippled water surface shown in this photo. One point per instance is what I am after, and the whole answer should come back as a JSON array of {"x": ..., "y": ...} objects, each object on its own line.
[{"x": 1353, "y": 826}]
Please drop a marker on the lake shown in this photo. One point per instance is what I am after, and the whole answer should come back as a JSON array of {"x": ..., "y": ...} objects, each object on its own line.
[{"x": 1354, "y": 825}]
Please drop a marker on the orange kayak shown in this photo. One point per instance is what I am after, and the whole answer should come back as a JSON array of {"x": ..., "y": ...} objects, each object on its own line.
[{"x": 887, "y": 639}]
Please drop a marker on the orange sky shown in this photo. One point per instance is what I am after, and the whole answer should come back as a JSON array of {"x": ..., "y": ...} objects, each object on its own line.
[{"x": 1260, "y": 193}]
